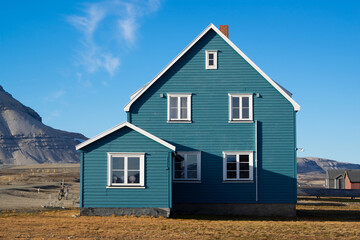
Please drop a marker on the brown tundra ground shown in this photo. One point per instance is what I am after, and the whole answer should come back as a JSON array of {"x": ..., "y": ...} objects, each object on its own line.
[{"x": 22, "y": 216}]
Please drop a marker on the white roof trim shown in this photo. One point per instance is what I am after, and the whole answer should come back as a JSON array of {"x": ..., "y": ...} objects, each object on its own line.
[
  {"x": 129, "y": 125},
  {"x": 211, "y": 26}
]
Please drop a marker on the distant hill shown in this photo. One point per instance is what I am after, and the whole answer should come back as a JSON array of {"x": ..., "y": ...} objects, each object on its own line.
[
  {"x": 312, "y": 164},
  {"x": 24, "y": 139}
]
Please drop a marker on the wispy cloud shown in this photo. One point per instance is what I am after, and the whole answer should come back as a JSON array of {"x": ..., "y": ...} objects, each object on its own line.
[
  {"x": 54, "y": 96},
  {"x": 123, "y": 17}
]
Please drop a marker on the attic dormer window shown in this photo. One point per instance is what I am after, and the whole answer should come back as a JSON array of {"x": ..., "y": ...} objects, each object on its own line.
[{"x": 211, "y": 59}]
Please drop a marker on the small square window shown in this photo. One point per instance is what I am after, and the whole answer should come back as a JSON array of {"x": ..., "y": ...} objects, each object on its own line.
[
  {"x": 179, "y": 107},
  {"x": 211, "y": 59},
  {"x": 237, "y": 166},
  {"x": 126, "y": 169},
  {"x": 240, "y": 107},
  {"x": 187, "y": 166}
]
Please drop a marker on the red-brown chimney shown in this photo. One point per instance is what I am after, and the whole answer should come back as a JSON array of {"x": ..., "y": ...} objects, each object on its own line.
[{"x": 225, "y": 30}]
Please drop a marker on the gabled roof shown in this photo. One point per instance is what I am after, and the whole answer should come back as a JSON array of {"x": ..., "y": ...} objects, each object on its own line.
[
  {"x": 139, "y": 92},
  {"x": 334, "y": 173},
  {"x": 353, "y": 175},
  {"x": 129, "y": 125}
]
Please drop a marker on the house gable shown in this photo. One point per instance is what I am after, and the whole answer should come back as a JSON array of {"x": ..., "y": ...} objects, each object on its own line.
[
  {"x": 210, "y": 131},
  {"x": 134, "y": 97},
  {"x": 120, "y": 126}
]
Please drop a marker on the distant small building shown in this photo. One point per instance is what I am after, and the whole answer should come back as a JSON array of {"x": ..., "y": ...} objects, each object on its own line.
[
  {"x": 352, "y": 179},
  {"x": 335, "y": 178}
]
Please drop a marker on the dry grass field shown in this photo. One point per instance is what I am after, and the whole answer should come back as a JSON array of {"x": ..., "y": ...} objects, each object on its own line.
[
  {"x": 334, "y": 222},
  {"x": 23, "y": 217}
]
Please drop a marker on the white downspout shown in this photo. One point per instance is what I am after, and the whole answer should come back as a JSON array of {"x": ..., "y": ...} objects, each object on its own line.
[{"x": 256, "y": 161}]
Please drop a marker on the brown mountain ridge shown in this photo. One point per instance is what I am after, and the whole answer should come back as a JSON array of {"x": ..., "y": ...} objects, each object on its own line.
[{"x": 24, "y": 139}]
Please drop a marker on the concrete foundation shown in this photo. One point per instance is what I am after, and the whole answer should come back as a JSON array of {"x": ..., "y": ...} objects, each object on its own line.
[
  {"x": 155, "y": 212},
  {"x": 258, "y": 209}
]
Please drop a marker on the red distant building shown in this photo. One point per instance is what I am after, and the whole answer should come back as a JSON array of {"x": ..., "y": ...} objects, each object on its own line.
[{"x": 352, "y": 179}]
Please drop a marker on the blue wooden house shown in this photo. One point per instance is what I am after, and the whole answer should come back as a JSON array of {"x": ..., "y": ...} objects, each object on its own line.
[{"x": 210, "y": 134}]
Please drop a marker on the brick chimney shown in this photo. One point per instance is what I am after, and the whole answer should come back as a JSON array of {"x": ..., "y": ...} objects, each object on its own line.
[{"x": 225, "y": 30}]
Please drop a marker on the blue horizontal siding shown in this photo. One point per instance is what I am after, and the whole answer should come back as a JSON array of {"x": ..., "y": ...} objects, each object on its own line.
[
  {"x": 211, "y": 133},
  {"x": 156, "y": 193}
]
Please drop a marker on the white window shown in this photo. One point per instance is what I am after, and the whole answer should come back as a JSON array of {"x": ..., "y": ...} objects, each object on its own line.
[
  {"x": 126, "y": 169},
  {"x": 240, "y": 107},
  {"x": 187, "y": 166},
  {"x": 211, "y": 59},
  {"x": 238, "y": 166},
  {"x": 179, "y": 107}
]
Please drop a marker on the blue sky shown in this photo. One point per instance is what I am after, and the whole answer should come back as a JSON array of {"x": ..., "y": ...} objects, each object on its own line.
[{"x": 76, "y": 63}]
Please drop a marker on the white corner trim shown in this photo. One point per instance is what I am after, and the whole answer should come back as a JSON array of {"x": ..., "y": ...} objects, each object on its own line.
[
  {"x": 138, "y": 93},
  {"x": 129, "y": 125}
]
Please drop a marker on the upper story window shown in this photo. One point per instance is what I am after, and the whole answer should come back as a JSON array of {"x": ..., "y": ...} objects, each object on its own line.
[
  {"x": 237, "y": 166},
  {"x": 126, "y": 169},
  {"x": 211, "y": 59},
  {"x": 179, "y": 107},
  {"x": 240, "y": 107},
  {"x": 187, "y": 166}
]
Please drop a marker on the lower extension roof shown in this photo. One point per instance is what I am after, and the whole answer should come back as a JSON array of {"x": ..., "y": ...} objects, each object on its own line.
[{"x": 131, "y": 126}]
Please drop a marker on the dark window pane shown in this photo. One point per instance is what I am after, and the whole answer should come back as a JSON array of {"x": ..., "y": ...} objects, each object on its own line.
[
  {"x": 244, "y": 166},
  {"x": 231, "y": 166},
  {"x": 245, "y": 101},
  {"x": 211, "y": 62},
  {"x": 244, "y": 174},
  {"x": 245, "y": 113},
  {"x": 179, "y": 174},
  {"x": 192, "y": 174},
  {"x": 173, "y": 101},
  {"x": 179, "y": 158},
  {"x": 231, "y": 174},
  {"x": 173, "y": 113},
  {"x": 244, "y": 158},
  {"x": 235, "y": 113},
  {"x": 183, "y": 113},
  {"x": 211, "y": 56},
  {"x": 179, "y": 163},
  {"x": 235, "y": 102},
  {"x": 133, "y": 176},
  {"x": 179, "y": 166},
  {"x": 183, "y": 102},
  {"x": 118, "y": 163},
  {"x": 231, "y": 158},
  {"x": 133, "y": 163},
  {"x": 117, "y": 177}
]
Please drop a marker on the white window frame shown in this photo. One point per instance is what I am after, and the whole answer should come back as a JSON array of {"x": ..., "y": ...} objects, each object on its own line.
[
  {"x": 126, "y": 155},
  {"x": 238, "y": 153},
  {"x": 198, "y": 178},
  {"x": 240, "y": 96},
  {"x": 178, "y": 96},
  {"x": 214, "y": 66}
]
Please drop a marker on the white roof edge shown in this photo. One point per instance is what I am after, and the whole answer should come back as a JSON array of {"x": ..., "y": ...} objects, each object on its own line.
[
  {"x": 212, "y": 26},
  {"x": 129, "y": 125}
]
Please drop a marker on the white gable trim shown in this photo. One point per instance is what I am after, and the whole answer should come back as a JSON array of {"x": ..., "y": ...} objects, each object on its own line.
[
  {"x": 138, "y": 93},
  {"x": 129, "y": 125}
]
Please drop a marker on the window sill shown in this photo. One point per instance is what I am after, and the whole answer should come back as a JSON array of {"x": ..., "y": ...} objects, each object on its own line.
[
  {"x": 241, "y": 121},
  {"x": 186, "y": 181},
  {"x": 127, "y": 187},
  {"x": 238, "y": 181},
  {"x": 179, "y": 121}
]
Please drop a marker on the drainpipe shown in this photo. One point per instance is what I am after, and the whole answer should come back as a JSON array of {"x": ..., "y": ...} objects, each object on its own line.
[{"x": 256, "y": 162}]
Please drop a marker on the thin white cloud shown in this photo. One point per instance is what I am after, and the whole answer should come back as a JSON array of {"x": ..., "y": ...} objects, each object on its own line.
[
  {"x": 58, "y": 94},
  {"x": 54, "y": 96},
  {"x": 122, "y": 16}
]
